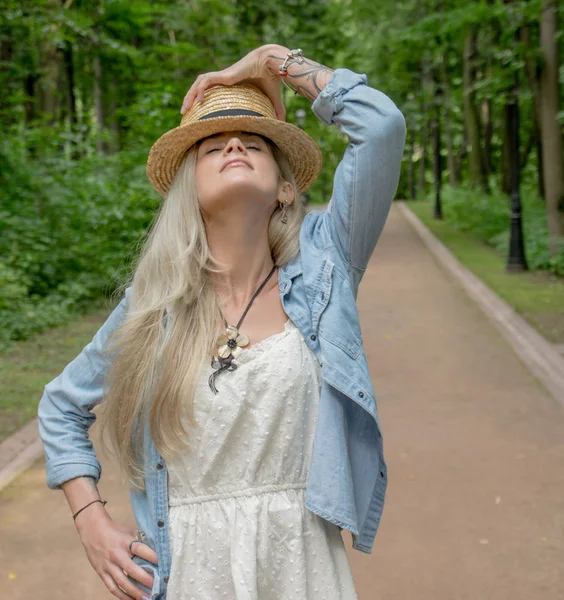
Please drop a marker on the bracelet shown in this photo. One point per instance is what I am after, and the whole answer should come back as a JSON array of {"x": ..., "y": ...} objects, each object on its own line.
[
  {"x": 296, "y": 55},
  {"x": 104, "y": 502},
  {"x": 283, "y": 78}
]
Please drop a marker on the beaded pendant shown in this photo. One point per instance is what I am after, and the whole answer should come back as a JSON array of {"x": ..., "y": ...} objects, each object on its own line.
[{"x": 229, "y": 345}]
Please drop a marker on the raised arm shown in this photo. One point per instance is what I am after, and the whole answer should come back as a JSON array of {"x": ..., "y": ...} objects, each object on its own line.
[{"x": 367, "y": 177}]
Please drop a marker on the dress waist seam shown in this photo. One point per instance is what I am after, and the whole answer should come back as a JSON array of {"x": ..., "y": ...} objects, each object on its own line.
[{"x": 253, "y": 491}]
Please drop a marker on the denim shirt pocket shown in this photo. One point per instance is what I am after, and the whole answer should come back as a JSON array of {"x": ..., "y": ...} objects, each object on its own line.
[
  {"x": 339, "y": 322},
  {"x": 152, "y": 569},
  {"x": 322, "y": 292}
]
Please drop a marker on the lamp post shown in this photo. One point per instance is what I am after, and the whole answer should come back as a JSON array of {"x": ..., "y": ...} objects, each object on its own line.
[
  {"x": 300, "y": 120},
  {"x": 516, "y": 259}
]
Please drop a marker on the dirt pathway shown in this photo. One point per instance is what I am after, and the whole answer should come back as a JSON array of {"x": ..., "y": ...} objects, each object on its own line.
[{"x": 475, "y": 450}]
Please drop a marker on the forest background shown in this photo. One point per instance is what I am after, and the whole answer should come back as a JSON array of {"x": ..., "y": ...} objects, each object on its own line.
[{"x": 88, "y": 86}]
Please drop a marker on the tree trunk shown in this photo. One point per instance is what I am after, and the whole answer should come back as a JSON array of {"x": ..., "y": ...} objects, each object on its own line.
[
  {"x": 411, "y": 169},
  {"x": 437, "y": 162},
  {"x": 471, "y": 114},
  {"x": 6, "y": 54},
  {"x": 551, "y": 132},
  {"x": 99, "y": 105},
  {"x": 506, "y": 153},
  {"x": 487, "y": 120},
  {"x": 533, "y": 77},
  {"x": 113, "y": 118},
  {"x": 70, "y": 100},
  {"x": 453, "y": 175},
  {"x": 30, "y": 102},
  {"x": 421, "y": 179},
  {"x": 49, "y": 83},
  {"x": 426, "y": 106}
]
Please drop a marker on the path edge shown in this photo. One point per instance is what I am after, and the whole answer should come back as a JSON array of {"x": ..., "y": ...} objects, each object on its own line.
[
  {"x": 19, "y": 451},
  {"x": 535, "y": 351}
]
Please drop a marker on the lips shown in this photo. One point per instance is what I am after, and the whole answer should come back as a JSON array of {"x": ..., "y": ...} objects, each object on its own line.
[{"x": 240, "y": 161}]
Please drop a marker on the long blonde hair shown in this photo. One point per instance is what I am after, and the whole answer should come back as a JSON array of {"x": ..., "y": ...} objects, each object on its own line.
[{"x": 171, "y": 323}]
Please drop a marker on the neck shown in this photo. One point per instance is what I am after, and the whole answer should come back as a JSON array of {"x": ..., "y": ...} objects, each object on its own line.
[{"x": 243, "y": 247}]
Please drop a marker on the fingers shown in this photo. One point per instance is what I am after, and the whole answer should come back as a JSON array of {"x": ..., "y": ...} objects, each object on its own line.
[
  {"x": 202, "y": 83},
  {"x": 196, "y": 92},
  {"x": 124, "y": 585},
  {"x": 138, "y": 573},
  {"x": 119, "y": 568},
  {"x": 272, "y": 88},
  {"x": 146, "y": 552},
  {"x": 280, "y": 111},
  {"x": 237, "y": 73},
  {"x": 113, "y": 587}
]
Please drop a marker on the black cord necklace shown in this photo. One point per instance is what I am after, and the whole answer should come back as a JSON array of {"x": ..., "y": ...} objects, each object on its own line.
[{"x": 230, "y": 344}]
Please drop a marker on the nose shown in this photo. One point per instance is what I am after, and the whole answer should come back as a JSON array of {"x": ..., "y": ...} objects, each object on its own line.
[{"x": 235, "y": 144}]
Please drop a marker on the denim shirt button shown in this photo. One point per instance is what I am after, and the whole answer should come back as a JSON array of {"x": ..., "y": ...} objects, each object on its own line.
[
  {"x": 361, "y": 394},
  {"x": 313, "y": 337},
  {"x": 160, "y": 523},
  {"x": 159, "y": 466},
  {"x": 165, "y": 579}
]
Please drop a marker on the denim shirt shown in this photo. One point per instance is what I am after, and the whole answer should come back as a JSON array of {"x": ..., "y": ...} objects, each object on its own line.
[{"x": 348, "y": 476}]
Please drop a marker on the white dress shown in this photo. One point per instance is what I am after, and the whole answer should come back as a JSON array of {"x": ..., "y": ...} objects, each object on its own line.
[{"x": 239, "y": 527}]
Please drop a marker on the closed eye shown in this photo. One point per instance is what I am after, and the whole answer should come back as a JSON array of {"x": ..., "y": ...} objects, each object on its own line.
[{"x": 212, "y": 150}]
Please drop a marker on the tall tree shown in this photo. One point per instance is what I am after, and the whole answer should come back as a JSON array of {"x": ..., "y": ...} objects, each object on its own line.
[
  {"x": 471, "y": 111},
  {"x": 551, "y": 131}
]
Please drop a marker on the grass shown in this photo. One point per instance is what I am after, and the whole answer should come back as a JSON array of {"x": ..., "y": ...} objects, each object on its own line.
[
  {"x": 28, "y": 366},
  {"x": 537, "y": 296}
]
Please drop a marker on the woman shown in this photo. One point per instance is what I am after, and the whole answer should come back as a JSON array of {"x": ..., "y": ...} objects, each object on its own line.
[{"x": 236, "y": 389}]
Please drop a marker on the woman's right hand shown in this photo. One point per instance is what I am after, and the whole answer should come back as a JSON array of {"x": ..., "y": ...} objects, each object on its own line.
[
  {"x": 252, "y": 68},
  {"x": 107, "y": 547}
]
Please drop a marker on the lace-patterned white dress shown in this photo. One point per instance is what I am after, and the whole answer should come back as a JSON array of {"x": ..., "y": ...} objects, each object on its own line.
[{"x": 239, "y": 527}]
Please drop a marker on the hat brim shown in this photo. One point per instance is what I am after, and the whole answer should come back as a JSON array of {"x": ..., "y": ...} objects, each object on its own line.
[{"x": 168, "y": 151}]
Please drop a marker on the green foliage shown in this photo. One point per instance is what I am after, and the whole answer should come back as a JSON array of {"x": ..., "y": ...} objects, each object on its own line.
[
  {"x": 66, "y": 230},
  {"x": 75, "y": 200},
  {"x": 72, "y": 216},
  {"x": 487, "y": 217}
]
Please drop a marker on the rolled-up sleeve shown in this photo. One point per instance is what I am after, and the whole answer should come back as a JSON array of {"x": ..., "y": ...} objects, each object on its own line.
[
  {"x": 65, "y": 409},
  {"x": 366, "y": 179}
]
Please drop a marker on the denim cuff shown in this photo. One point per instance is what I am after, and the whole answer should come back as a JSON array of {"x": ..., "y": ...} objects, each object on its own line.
[
  {"x": 62, "y": 469},
  {"x": 330, "y": 100}
]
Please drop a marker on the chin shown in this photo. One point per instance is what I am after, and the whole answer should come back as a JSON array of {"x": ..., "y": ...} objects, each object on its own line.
[{"x": 242, "y": 189}]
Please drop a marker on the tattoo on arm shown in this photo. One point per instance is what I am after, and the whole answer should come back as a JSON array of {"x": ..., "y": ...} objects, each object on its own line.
[{"x": 308, "y": 78}]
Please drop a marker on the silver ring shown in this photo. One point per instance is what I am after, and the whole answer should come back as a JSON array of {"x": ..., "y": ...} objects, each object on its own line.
[{"x": 131, "y": 544}]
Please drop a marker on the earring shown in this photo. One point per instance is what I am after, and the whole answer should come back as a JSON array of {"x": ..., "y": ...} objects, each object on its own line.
[{"x": 284, "y": 215}]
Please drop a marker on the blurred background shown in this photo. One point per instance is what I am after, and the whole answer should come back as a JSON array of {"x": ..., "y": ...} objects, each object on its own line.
[{"x": 88, "y": 86}]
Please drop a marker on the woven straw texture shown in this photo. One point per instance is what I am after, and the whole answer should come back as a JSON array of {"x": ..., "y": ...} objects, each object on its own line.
[{"x": 168, "y": 151}]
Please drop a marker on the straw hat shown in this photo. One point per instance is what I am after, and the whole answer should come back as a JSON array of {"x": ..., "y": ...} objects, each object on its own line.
[{"x": 239, "y": 107}]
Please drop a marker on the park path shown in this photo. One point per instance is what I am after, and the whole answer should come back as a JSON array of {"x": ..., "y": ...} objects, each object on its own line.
[{"x": 474, "y": 445}]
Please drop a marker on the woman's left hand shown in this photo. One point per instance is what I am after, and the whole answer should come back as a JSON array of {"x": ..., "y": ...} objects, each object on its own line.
[{"x": 252, "y": 69}]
